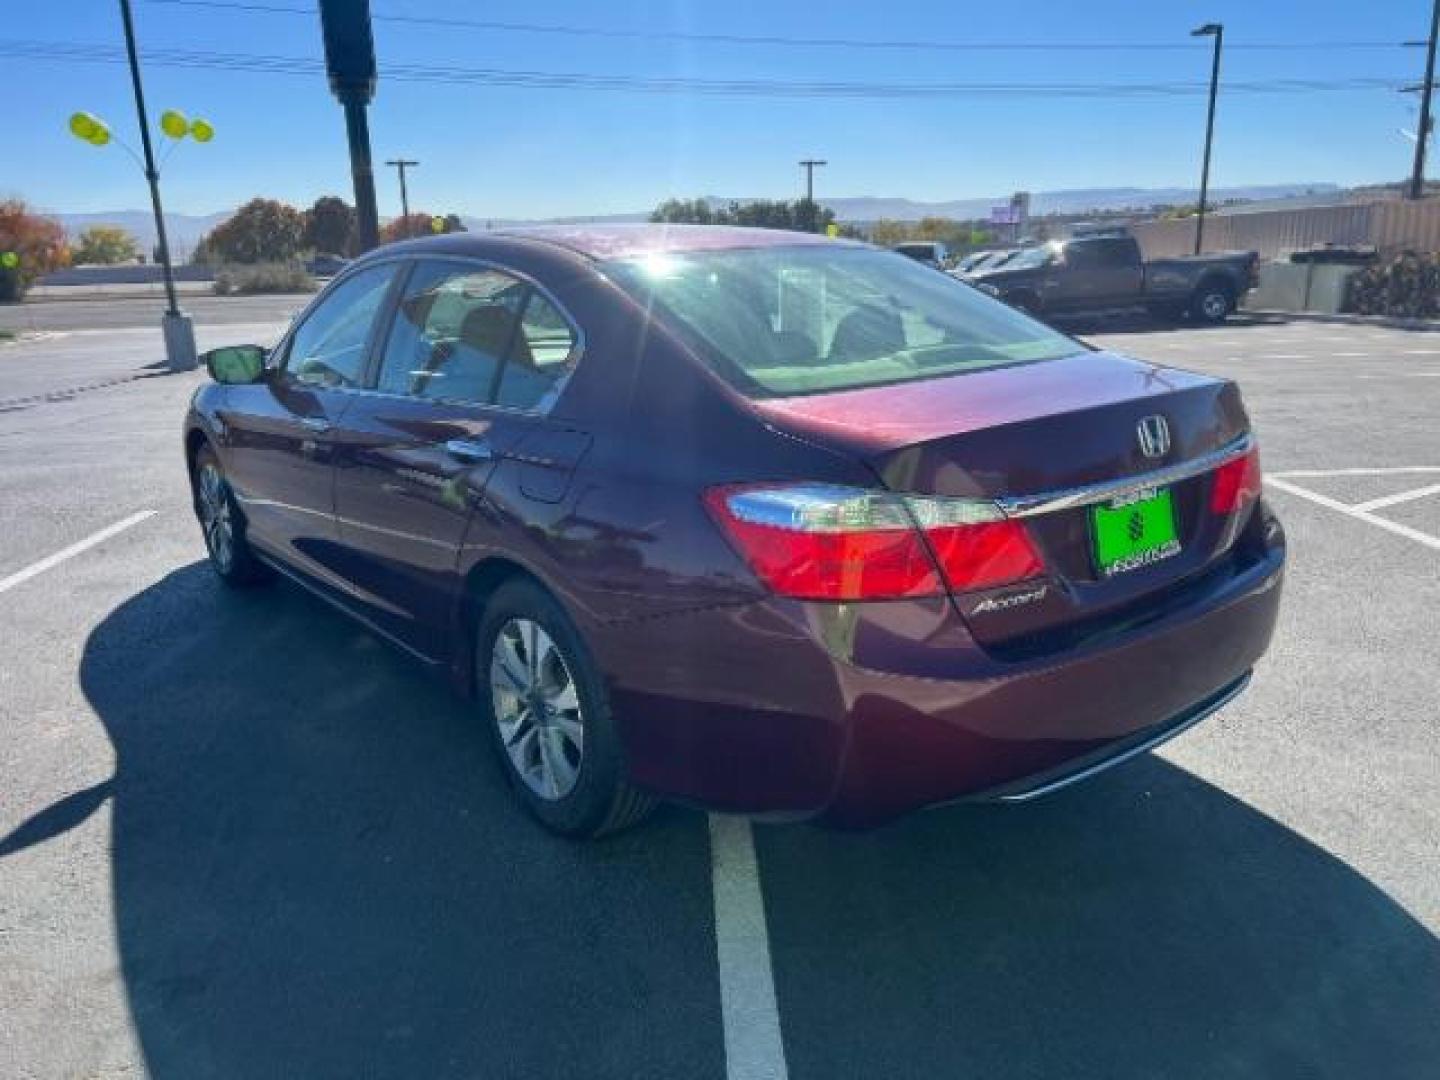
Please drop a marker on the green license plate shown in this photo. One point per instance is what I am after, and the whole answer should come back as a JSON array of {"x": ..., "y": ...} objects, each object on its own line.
[{"x": 1134, "y": 531}]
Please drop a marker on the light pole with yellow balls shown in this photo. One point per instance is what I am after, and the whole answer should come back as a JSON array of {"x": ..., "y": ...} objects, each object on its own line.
[{"x": 176, "y": 326}]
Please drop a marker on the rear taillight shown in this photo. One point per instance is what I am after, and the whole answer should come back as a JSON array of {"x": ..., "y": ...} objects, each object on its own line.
[
  {"x": 1236, "y": 484},
  {"x": 823, "y": 542}
]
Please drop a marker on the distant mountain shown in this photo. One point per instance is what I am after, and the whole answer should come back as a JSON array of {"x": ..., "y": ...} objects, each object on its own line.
[
  {"x": 182, "y": 230},
  {"x": 185, "y": 230},
  {"x": 1074, "y": 201}
]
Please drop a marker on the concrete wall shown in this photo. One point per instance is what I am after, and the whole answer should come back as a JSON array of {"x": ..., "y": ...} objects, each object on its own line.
[
  {"x": 147, "y": 274},
  {"x": 1300, "y": 287}
]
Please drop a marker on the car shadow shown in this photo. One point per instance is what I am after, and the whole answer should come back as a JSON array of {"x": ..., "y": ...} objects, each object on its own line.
[
  {"x": 1144, "y": 925},
  {"x": 318, "y": 870}
]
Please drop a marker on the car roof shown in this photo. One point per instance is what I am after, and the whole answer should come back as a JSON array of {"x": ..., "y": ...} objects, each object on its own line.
[{"x": 620, "y": 241}]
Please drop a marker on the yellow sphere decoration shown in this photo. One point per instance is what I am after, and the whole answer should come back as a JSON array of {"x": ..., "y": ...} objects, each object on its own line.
[
  {"x": 201, "y": 131},
  {"x": 100, "y": 135},
  {"x": 82, "y": 125},
  {"x": 9, "y": 260},
  {"x": 437, "y": 224},
  {"x": 174, "y": 123}
]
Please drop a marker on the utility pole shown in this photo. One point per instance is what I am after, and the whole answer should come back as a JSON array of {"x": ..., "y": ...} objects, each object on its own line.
[
  {"x": 1417, "y": 173},
  {"x": 401, "y": 164},
  {"x": 350, "y": 64},
  {"x": 1216, "y": 31},
  {"x": 175, "y": 325},
  {"x": 810, "y": 165}
]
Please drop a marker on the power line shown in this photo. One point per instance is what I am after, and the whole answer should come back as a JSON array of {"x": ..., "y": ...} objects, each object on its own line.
[
  {"x": 495, "y": 25},
  {"x": 559, "y": 80}
]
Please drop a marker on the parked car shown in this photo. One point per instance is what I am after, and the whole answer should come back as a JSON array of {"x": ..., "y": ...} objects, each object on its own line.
[
  {"x": 324, "y": 265},
  {"x": 1101, "y": 273},
  {"x": 750, "y": 519},
  {"x": 930, "y": 252},
  {"x": 972, "y": 262}
]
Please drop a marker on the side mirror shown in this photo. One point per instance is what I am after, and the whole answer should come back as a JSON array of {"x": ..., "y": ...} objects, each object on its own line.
[{"x": 235, "y": 364}]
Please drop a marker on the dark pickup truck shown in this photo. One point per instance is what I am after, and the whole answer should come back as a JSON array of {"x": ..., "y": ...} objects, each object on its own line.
[{"x": 1098, "y": 273}]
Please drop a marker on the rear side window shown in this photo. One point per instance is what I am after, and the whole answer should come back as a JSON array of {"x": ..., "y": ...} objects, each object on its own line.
[
  {"x": 477, "y": 335},
  {"x": 804, "y": 319},
  {"x": 329, "y": 347},
  {"x": 540, "y": 356}
]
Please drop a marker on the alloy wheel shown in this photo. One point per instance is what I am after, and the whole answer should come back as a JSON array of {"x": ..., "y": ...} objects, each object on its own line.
[
  {"x": 1215, "y": 306},
  {"x": 215, "y": 517},
  {"x": 537, "y": 708}
]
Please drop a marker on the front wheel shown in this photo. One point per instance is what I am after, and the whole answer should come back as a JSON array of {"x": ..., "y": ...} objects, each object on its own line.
[
  {"x": 1212, "y": 304},
  {"x": 546, "y": 708},
  {"x": 222, "y": 524}
]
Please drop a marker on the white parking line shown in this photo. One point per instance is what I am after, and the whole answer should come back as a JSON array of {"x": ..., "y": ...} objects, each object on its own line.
[
  {"x": 1391, "y": 500},
  {"x": 751, "y": 1019},
  {"x": 50, "y": 561},
  {"x": 1283, "y": 356},
  {"x": 1356, "y": 513},
  {"x": 1397, "y": 470}
]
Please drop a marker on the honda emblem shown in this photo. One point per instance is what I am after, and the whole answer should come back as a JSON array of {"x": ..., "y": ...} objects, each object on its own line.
[{"x": 1154, "y": 435}]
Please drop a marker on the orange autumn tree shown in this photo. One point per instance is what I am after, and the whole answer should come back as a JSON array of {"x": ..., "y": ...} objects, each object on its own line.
[{"x": 33, "y": 243}]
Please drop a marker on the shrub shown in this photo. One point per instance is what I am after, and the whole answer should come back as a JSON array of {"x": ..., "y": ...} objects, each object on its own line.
[
  {"x": 1407, "y": 286},
  {"x": 35, "y": 244},
  {"x": 263, "y": 278}
]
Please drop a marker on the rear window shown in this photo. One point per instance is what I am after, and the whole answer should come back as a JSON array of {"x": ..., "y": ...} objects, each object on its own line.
[{"x": 783, "y": 321}]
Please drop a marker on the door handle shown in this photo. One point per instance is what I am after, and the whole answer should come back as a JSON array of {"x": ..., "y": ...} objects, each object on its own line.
[
  {"x": 316, "y": 424},
  {"x": 470, "y": 451}
]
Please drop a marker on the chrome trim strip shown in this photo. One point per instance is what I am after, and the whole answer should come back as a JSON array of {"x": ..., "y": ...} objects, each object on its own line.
[
  {"x": 1050, "y": 501},
  {"x": 1207, "y": 708}
]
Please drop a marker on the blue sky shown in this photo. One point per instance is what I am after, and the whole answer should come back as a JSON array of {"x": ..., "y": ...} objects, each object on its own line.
[{"x": 513, "y": 152}]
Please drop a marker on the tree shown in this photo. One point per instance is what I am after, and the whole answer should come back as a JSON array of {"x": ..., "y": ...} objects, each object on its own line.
[
  {"x": 330, "y": 226},
  {"x": 887, "y": 232},
  {"x": 34, "y": 244},
  {"x": 263, "y": 230},
  {"x": 802, "y": 214},
  {"x": 106, "y": 245},
  {"x": 692, "y": 211},
  {"x": 419, "y": 224}
]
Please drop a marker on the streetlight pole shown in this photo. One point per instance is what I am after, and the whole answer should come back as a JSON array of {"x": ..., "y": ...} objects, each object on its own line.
[
  {"x": 1417, "y": 173},
  {"x": 1216, "y": 31},
  {"x": 810, "y": 165},
  {"x": 401, "y": 164},
  {"x": 179, "y": 332}
]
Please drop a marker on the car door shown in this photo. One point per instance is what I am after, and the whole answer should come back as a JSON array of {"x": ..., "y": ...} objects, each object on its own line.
[
  {"x": 473, "y": 357},
  {"x": 279, "y": 436}
]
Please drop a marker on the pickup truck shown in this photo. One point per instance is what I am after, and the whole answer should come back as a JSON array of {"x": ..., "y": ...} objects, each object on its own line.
[{"x": 1090, "y": 274}]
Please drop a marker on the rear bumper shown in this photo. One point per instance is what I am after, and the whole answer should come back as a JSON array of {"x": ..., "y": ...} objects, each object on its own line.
[{"x": 861, "y": 713}]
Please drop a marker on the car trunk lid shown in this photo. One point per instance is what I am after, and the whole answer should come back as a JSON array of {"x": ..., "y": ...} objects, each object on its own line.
[{"x": 1050, "y": 442}]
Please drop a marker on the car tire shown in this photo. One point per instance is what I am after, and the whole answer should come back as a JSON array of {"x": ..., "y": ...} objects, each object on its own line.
[
  {"x": 542, "y": 699},
  {"x": 1212, "y": 304},
  {"x": 222, "y": 525}
]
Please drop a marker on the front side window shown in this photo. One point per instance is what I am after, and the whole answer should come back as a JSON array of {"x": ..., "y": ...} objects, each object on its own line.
[
  {"x": 477, "y": 335},
  {"x": 810, "y": 319},
  {"x": 329, "y": 347}
]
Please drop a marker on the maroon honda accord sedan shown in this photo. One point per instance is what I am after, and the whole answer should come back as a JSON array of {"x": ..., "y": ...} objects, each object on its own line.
[{"x": 759, "y": 521}]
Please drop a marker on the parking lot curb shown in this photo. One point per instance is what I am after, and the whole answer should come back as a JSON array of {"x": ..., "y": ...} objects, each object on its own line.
[{"x": 1393, "y": 321}]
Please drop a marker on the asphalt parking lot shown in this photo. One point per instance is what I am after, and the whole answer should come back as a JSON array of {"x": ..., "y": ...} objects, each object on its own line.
[{"x": 240, "y": 837}]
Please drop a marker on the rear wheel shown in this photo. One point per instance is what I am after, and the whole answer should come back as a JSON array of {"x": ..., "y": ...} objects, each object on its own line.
[
  {"x": 222, "y": 524},
  {"x": 546, "y": 708},
  {"x": 1213, "y": 303}
]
